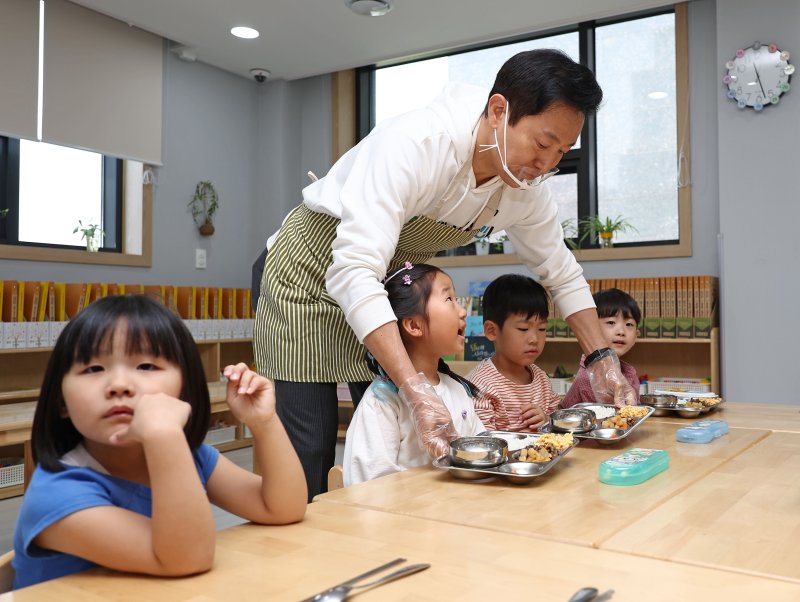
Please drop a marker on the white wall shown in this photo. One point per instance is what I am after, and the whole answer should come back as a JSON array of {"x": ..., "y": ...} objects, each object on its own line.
[{"x": 759, "y": 212}]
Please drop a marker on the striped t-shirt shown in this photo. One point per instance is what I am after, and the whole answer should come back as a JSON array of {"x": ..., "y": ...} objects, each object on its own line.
[{"x": 502, "y": 402}]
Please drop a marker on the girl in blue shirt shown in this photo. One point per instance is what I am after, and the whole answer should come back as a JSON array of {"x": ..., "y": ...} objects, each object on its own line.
[{"x": 123, "y": 479}]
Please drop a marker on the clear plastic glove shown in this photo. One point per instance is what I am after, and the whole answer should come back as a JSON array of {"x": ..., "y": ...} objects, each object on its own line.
[
  {"x": 432, "y": 419},
  {"x": 608, "y": 383}
]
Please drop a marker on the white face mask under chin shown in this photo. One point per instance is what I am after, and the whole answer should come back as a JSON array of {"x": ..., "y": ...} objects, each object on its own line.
[{"x": 524, "y": 183}]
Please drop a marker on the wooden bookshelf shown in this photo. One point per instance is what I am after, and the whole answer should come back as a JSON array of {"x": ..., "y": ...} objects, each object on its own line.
[
  {"x": 21, "y": 376},
  {"x": 688, "y": 358}
]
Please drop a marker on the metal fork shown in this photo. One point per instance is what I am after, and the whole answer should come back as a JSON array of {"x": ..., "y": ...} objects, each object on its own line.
[{"x": 340, "y": 592}]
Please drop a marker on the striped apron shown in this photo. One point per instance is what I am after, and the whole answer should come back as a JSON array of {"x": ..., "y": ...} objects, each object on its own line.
[{"x": 301, "y": 334}]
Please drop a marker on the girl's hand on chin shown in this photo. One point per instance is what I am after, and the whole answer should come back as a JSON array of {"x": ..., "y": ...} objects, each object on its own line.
[
  {"x": 154, "y": 414},
  {"x": 250, "y": 396}
]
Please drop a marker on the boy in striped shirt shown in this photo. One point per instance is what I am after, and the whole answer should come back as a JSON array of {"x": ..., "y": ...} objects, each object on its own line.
[{"x": 515, "y": 394}]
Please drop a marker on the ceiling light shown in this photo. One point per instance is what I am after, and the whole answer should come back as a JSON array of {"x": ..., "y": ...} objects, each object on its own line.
[
  {"x": 248, "y": 33},
  {"x": 369, "y": 8},
  {"x": 657, "y": 95}
]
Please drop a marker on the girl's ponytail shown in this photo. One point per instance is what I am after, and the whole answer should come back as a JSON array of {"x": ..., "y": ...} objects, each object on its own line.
[{"x": 472, "y": 389}]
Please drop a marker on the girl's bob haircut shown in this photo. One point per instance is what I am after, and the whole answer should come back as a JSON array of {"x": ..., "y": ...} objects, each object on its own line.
[{"x": 148, "y": 327}]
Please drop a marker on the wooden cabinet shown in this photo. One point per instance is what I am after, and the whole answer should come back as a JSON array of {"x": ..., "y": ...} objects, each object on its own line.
[
  {"x": 21, "y": 372},
  {"x": 688, "y": 358}
]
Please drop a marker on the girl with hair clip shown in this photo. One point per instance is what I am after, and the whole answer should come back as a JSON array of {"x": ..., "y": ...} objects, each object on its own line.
[
  {"x": 123, "y": 479},
  {"x": 381, "y": 438}
]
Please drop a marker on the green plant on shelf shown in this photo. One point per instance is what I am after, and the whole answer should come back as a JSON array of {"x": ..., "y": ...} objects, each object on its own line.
[
  {"x": 91, "y": 233},
  {"x": 604, "y": 229}
]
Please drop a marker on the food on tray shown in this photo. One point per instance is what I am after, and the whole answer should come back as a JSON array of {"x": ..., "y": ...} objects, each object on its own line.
[
  {"x": 708, "y": 401},
  {"x": 616, "y": 422},
  {"x": 694, "y": 403},
  {"x": 546, "y": 447},
  {"x": 633, "y": 412},
  {"x": 517, "y": 443},
  {"x": 603, "y": 412},
  {"x": 534, "y": 454},
  {"x": 560, "y": 442}
]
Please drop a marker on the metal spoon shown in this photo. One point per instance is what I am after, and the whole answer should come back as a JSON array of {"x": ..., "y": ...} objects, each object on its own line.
[
  {"x": 589, "y": 594},
  {"x": 585, "y": 594}
]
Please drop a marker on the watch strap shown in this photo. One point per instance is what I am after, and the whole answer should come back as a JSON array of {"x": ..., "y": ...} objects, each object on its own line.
[{"x": 597, "y": 354}]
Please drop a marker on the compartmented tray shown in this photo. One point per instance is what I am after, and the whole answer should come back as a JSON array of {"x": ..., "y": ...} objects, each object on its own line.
[
  {"x": 606, "y": 436},
  {"x": 513, "y": 471},
  {"x": 674, "y": 402}
]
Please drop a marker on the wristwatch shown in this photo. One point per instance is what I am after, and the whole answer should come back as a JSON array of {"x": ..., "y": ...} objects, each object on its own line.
[{"x": 597, "y": 354}]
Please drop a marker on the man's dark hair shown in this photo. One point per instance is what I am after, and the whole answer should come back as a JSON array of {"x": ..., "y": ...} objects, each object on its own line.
[{"x": 533, "y": 80}]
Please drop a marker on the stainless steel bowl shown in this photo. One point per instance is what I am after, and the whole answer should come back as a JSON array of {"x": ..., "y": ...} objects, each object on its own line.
[
  {"x": 478, "y": 452},
  {"x": 608, "y": 436},
  {"x": 520, "y": 473},
  {"x": 685, "y": 412},
  {"x": 661, "y": 403},
  {"x": 573, "y": 420}
]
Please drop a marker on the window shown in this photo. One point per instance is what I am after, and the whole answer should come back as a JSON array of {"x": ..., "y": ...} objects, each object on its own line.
[
  {"x": 628, "y": 163},
  {"x": 48, "y": 188}
]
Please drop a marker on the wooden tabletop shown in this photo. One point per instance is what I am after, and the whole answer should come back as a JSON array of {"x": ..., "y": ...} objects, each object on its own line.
[
  {"x": 336, "y": 542},
  {"x": 566, "y": 504},
  {"x": 771, "y": 416},
  {"x": 744, "y": 515}
]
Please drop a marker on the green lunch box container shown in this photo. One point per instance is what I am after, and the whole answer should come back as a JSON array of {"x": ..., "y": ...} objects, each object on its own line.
[{"x": 633, "y": 466}]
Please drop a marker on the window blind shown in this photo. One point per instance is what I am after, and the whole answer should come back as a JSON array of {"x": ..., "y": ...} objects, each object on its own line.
[
  {"x": 19, "y": 58},
  {"x": 102, "y": 84}
]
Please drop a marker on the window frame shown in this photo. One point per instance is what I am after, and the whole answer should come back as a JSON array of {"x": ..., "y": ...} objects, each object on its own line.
[
  {"x": 586, "y": 169},
  {"x": 112, "y": 253}
]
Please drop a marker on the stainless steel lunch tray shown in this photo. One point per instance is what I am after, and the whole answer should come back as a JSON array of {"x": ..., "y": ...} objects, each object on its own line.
[
  {"x": 472, "y": 474},
  {"x": 590, "y": 435},
  {"x": 680, "y": 408}
]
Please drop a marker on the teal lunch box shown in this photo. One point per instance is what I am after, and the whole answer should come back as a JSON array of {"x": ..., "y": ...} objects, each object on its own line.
[
  {"x": 702, "y": 431},
  {"x": 633, "y": 466}
]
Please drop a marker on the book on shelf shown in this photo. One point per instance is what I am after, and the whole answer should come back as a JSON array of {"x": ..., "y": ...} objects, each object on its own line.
[
  {"x": 11, "y": 306},
  {"x": 185, "y": 302},
  {"x": 133, "y": 289},
  {"x": 652, "y": 312},
  {"x": 155, "y": 292},
  {"x": 668, "y": 311},
  {"x": 76, "y": 295}
]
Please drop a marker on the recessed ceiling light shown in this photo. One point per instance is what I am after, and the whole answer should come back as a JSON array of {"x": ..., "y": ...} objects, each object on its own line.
[
  {"x": 657, "y": 95},
  {"x": 369, "y": 8},
  {"x": 248, "y": 33}
]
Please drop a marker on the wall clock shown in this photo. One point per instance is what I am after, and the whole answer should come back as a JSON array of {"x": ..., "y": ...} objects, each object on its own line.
[{"x": 758, "y": 75}]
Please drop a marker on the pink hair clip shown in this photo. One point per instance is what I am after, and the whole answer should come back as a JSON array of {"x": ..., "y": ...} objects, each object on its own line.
[{"x": 406, "y": 279}]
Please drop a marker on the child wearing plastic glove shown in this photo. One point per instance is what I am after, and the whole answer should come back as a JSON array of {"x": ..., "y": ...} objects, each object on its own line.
[{"x": 393, "y": 428}]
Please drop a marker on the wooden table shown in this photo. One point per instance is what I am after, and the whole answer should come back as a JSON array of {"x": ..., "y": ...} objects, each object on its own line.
[
  {"x": 744, "y": 515},
  {"x": 567, "y": 504},
  {"x": 770, "y": 416},
  {"x": 336, "y": 542}
]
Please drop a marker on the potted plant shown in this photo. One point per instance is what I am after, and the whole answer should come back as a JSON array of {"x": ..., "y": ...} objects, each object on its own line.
[
  {"x": 92, "y": 233},
  {"x": 204, "y": 205},
  {"x": 570, "y": 232},
  {"x": 508, "y": 246},
  {"x": 605, "y": 228},
  {"x": 481, "y": 246}
]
